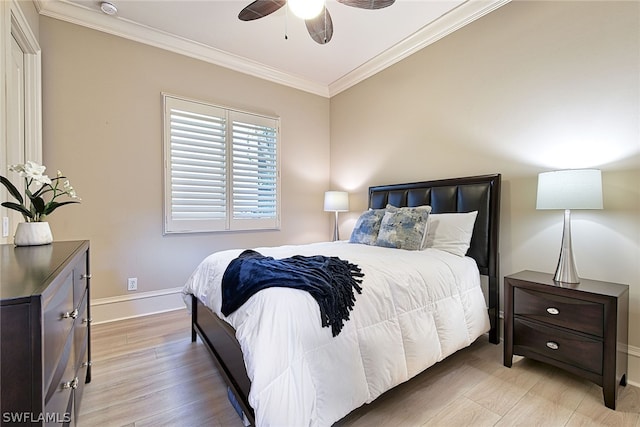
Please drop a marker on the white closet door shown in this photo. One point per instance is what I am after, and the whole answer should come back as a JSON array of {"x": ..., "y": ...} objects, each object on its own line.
[
  {"x": 14, "y": 152},
  {"x": 20, "y": 100},
  {"x": 16, "y": 110}
]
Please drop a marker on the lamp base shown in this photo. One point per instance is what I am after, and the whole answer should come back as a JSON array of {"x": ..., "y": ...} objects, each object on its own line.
[
  {"x": 566, "y": 271},
  {"x": 336, "y": 233}
]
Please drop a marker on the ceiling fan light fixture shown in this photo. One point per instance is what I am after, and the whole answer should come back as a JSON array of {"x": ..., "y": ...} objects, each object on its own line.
[{"x": 306, "y": 9}]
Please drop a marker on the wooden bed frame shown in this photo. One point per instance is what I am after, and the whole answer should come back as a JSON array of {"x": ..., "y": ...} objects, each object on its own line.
[{"x": 481, "y": 193}]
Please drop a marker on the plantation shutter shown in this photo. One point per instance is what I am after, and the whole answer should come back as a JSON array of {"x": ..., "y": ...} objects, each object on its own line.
[
  {"x": 254, "y": 172},
  {"x": 221, "y": 168}
]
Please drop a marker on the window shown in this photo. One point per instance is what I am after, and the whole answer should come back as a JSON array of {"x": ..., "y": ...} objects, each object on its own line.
[{"x": 221, "y": 168}]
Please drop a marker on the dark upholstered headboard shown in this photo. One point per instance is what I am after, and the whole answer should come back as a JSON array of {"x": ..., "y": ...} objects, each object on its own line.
[{"x": 474, "y": 193}]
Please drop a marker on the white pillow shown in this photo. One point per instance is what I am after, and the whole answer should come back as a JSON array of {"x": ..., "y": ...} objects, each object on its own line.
[{"x": 451, "y": 232}]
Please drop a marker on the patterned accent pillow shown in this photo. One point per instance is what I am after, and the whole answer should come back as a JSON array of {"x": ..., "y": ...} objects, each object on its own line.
[
  {"x": 404, "y": 228},
  {"x": 367, "y": 227}
]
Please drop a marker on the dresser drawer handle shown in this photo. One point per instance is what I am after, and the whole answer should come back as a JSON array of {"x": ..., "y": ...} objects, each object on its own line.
[
  {"x": 85, "y": 276},
  {"x": 70, "y": 384},
  {"x": 72, "y": 314},
  {"x": 89, "y": 320},
  {"x": 552, "y": 310},
  {"x": 553, "y": 345},
  {"x": 86, "y": 364}
]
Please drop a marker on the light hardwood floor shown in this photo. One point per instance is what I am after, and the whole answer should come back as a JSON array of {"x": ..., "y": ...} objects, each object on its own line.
[{"x": 147, "y": 372}]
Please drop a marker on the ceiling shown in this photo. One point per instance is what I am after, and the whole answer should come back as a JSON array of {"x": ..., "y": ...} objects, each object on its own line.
[{"x": 364, "y": 41}]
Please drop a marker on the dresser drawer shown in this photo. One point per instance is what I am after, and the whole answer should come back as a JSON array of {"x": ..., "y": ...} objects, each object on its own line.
[
  {"x": 571, "y": 348},
  {"x": 81, "y": 373},
  {"x": 572, "y": 313},
  {"x": 79, "y": 279},
  {"x": 59, "y": 316},
  {"x": 80, "y": 329},
  {"x": 60, "y": 390}
]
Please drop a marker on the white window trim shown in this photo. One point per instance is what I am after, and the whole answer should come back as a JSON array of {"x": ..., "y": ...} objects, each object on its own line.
[{"x": 229, "y": 223}]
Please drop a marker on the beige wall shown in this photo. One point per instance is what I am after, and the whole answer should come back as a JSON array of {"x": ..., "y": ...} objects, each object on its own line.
[
  {"x": 531, "y": 87},
  {"x": 102, "y": 123}
]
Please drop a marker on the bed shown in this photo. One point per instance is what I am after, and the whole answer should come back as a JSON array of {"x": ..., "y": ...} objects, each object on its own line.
[{"x": 312, "y": 378}]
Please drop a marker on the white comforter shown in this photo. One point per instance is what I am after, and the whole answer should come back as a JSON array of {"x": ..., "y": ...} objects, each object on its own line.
[{"x": 416, "y": 308}]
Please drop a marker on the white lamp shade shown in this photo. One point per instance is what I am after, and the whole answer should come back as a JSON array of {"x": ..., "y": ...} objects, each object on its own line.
[
  {"x": 336, "y": 201},
  {"x": 306, "y": 9},
  {"x": 570, "y": 189}
]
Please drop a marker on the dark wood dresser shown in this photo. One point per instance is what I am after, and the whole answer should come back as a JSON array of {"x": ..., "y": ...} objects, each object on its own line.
[
  {"x": 582, "y": 328},
  {"x": 45, "y": 332}
]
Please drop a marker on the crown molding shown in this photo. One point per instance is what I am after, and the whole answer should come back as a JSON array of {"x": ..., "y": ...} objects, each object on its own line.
[
  {"x": 118, "y": 26},
  {"x": 439, "y": 28},
  {"x": 431, "y": 33}
]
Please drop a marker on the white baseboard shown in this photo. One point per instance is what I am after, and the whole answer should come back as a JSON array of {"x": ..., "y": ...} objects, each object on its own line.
[
  {"x": 110, "y": 309},
  {"x": 633, "y": 371}
]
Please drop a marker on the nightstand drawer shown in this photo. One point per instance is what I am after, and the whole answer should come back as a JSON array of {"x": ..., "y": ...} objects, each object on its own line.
[
  {"x": 573, "y": 349},
  {"x": 572, "y": 313}
]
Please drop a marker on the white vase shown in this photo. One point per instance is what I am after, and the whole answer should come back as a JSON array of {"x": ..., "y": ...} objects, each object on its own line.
[{"x": 33, "y": 234}]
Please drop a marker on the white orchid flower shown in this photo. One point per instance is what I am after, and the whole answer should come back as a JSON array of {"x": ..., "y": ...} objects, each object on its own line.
[
  {"x": 49, "y": 189},
  {"x": 70, "y": 190},
  {"x": 34, "y": 171},
  {"x": 17, "y": 168}
]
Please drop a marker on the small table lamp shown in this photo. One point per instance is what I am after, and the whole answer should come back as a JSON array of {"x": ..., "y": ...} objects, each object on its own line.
[
  {"x": 336, "y": 201},
  {"x": 569, "y": 189}
]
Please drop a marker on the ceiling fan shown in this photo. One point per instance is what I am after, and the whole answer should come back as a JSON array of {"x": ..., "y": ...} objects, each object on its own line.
[{"x": 319, "y": 23}]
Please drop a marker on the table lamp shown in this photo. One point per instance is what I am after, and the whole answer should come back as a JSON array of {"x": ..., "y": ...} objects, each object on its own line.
[
  {"x": 336, "y": 201},
  {"x": 569, "y": 189}
]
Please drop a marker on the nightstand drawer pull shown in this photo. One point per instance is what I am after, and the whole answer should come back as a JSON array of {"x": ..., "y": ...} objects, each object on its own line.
[
  {"x": 553, "y": 310},
  {"x": 85, "y": 276},
  {"x": 553, "y": 345}
]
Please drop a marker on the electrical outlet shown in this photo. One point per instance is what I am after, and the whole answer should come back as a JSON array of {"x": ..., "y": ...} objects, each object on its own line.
[
  {"x": 5, "y": 226},
  {"x": 132, "y": 284}
]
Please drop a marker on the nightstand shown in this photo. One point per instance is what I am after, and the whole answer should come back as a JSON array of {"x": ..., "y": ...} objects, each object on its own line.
[{"x": 581, "y": 328}]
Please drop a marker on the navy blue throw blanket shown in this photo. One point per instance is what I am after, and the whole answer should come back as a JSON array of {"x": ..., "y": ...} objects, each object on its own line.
[{"x": 330, "y": 280}]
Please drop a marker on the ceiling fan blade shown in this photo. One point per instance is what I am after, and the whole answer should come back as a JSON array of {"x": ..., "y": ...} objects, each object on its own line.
[
  {"x": 368, "y": 4},
  {"x": 260, "y": 9},
  {"x": 321, "y": 27}
]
